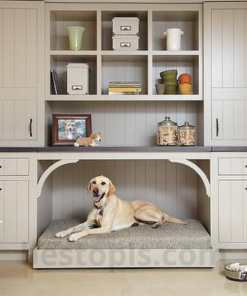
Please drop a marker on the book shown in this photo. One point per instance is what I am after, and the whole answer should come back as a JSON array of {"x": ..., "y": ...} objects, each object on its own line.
[
  {"x": 123, "y": 89},
  {"x": 124, "y": 93},
  {"x": 55, "y": 88},
  {"x": 125, "y": 83}
]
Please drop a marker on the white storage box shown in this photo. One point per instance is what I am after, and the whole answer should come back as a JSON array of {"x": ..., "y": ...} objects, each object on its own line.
[
  {"x": 125, "y": 25},
  {"x": 125, "y": 42},
  {"x": 77, "y": 79}
]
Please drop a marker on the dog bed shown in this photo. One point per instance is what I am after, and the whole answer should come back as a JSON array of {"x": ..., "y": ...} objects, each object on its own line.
[{"x": 168, "y": 236}]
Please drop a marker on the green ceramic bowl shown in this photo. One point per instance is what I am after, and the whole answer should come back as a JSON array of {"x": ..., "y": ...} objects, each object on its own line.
[{"x": 169, "y": 75}]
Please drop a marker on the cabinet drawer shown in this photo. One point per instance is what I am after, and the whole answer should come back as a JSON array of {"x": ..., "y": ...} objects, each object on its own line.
[
  {"x": 14, "y": 166},
  {"x": 232, "y": 166}
]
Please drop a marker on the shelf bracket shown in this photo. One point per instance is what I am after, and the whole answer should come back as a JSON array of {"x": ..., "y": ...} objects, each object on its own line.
[
  {"x": 198, "y": 170},
  {"x": 52, "y": 168}
]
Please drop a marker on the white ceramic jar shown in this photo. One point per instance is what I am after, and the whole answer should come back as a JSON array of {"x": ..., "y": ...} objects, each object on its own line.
[{"x": 173, "y": 38}]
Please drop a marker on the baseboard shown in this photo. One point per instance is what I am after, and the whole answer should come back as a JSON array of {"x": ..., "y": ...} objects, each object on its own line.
[
  {"x": 123, "y": 258},
  {"x": 232, "y": 254},
  {"x": 13, "y": 255}
]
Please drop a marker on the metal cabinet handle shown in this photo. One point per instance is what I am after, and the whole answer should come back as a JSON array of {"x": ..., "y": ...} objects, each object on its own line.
[
  {"x": 31, "y": 127},
  {"x": 217, "y": 127}
]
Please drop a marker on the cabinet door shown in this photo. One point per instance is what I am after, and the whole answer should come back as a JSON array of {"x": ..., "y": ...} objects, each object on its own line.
[
  {"x": 225, "y": 62},
  {"x": 13, "y": 212},
  {"x": 232, "y": 211},
  {"x": 21, "y": 73}
]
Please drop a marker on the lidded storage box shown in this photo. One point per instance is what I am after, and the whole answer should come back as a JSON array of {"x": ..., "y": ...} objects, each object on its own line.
[
  {"x": 125, "y": 25},
  {"x": 186, "y": 134},
  {"x": 167, "y": 133},
  {"x": 125, "y": 42},
  {"x": 77, "y": 79}
]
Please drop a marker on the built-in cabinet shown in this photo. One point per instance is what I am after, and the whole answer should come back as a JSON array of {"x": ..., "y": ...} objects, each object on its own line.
[
  {"x": 21, "y": 73},
  {"x": 15, "y": 206},
  {"x": 229, "y": 203},
  {"x": 225, "y": 75}
]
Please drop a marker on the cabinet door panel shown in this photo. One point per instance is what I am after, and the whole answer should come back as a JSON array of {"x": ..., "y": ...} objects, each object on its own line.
[
  {"x": 14, "y": 197},
  {"x": 10, "y": 211},
  {"x": 18, "y": 115},
  {"x": 21, "y": 73},
  {"x": 239, "y": 50},
  {"x": 2, "y": 216},
  {"x": 231, "y": 118},
  {"x": 8, "y": 47},
  {"x": 232, "y": 212},
  {"x": 224, "y": 212}
]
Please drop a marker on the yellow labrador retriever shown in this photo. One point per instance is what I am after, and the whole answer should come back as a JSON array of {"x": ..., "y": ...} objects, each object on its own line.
[{"x": 111, "y": 213}]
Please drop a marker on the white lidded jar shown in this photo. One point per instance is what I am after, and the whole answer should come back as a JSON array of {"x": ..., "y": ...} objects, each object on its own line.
[{"x": 173, "y": 38}]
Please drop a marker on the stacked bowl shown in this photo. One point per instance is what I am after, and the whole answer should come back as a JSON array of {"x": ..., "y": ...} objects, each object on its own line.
[
  {"x": 185, "y": 86},
  {"x": 169, "y": 78}
]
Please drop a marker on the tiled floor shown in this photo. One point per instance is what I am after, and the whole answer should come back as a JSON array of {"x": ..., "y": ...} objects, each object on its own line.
[{"x": 18, "y": 278}]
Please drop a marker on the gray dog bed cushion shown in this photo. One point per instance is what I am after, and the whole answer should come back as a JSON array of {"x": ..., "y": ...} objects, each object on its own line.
[{"x": 168, "y": 236}]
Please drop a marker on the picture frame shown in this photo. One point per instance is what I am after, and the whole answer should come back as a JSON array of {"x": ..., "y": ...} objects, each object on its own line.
[{"x": 66, "y": 128}]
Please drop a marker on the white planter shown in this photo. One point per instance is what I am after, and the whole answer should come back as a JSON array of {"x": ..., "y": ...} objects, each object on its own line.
[{"x": 173, "y": 38}]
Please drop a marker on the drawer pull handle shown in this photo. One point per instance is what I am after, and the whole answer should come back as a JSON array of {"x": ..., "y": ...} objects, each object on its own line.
[
  {"x": 1, "y": 189},
  {"x": 0, "y": 166},
  {"x": 77, "y": 87},
  {"x": 246, "y": 165},
  {"x": 31, "y": 127},
  {"x": 125, "y": 44},
  {"x": 125, "y": 28},
  {"x": 1, "y": 221}
]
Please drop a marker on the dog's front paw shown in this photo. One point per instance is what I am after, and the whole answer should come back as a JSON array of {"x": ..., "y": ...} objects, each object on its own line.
[
  {"x": 74, "y": 237},
  {"x": 61, "y": 234}
]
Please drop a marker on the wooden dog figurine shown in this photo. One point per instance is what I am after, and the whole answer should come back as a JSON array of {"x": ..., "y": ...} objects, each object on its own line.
[{"x": 91, "y": 141}]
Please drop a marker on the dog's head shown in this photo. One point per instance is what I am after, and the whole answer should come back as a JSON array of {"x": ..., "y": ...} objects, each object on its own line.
[
  {"x": 70, "y": 126},
  {"x": 102, "y": 189},
  {"x": 96, "y": 136}
]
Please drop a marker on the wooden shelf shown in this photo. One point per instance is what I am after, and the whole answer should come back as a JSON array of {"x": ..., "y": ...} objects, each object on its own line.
[
  {"x": 73, "y": 53},
  {"x": 95, "y": 98}
]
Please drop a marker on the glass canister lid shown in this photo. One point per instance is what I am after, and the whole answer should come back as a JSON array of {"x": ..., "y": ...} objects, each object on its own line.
[
  {"x": 187, "y": 125},
  {"x": 167, "y": 122}
]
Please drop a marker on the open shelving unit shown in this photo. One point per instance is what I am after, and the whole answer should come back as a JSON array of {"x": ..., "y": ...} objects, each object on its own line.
[{"x": 106, "y": 64}]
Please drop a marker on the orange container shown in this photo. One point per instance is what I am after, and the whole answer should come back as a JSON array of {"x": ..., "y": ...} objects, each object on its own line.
[
  {"x": 185, "y": 89},
  {"x": 184, "y": 78}
]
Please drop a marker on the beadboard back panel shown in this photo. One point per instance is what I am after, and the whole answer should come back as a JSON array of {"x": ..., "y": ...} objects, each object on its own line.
[
  {"x": 130, "y": 123},
  {"x": 172, "y": 187}
]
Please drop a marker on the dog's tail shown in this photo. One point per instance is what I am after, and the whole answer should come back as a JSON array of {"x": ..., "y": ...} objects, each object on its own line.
[{"x": 170, "y": 219}]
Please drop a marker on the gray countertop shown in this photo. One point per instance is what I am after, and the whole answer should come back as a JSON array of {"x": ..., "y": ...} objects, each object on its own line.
[{"x": 123, "y": 149}]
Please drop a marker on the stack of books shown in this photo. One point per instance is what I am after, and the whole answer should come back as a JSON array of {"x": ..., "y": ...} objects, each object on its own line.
[{"x": 124, "y": 88}]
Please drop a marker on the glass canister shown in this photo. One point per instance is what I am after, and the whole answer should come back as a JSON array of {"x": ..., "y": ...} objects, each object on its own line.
[
  {"x": 167, "y": 133},
  {"x": 186, "y": 134}
]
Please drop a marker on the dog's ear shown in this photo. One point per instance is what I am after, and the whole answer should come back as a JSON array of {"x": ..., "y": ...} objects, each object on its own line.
[
  {"x": 89, "y": 186},
  {"x": 112, "y": 189}
]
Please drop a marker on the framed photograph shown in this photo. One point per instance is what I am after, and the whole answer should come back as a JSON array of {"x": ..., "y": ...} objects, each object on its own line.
[{"x": 66, "y": 128}]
